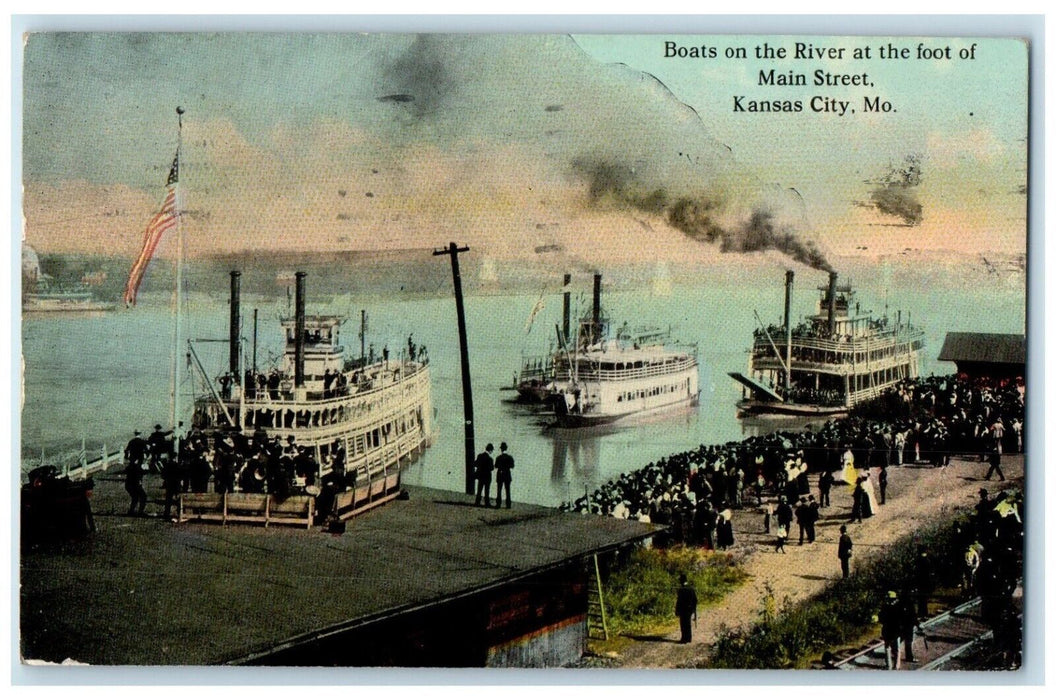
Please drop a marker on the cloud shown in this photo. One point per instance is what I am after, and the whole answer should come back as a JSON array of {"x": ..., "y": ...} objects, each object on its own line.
[{"x": 429, "y": 137}]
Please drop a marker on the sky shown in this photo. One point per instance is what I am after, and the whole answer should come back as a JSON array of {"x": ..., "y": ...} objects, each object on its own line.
[{"x": 598, "y": 145}]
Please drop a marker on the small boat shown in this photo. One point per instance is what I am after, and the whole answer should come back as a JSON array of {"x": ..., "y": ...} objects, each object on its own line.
[
  {"x": 66, "y": 301},
  {"x": 834, "y": 360},
  {"x": 603, "y": 380}
]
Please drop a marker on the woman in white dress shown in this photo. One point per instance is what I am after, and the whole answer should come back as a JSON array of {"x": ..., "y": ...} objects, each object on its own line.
[{"x": 869, "y": 507}]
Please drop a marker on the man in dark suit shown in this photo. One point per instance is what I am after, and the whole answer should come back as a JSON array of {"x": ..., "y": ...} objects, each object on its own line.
[
  {"x": 686, "y": 609},
  {"x": 483, "y": 468},
  {"x": 503, "y": 476},
  {"x": 844, "y": 552},
  {"x": 135, "y": 455}
]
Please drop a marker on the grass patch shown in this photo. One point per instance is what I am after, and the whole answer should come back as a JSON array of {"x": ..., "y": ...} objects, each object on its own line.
[
  {"x": 791, "y": 635},
  {"x": 640, "y": 594}
]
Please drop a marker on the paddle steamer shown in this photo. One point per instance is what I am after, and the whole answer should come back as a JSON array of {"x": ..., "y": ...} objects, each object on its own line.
[
  {"x": 604, "y": 379},
  {"x": 379, "y": 413},
  {"x": 832, "y": 361}
]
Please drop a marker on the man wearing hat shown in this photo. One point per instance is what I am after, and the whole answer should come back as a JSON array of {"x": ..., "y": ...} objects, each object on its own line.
[
  {"x": 135, "y": 454},
  {"x": 813, "y": 515},
  {"x": 825, "y": 481},
  {"x": 844, "y": 551},
  {"x": 890, "y": 619},
  {"x": 483, "y": 468},
  {"x": 503, "y": 476},
  {"x": 784, "y": 514},
  {"x": 686, "y": 609},
  {"x": 996, "y": 433},
  {"x": 159, "y": 445}
]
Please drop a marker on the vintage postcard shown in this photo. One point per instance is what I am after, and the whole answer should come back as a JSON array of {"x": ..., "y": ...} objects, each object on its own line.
[{"x": 524, "y": 350}]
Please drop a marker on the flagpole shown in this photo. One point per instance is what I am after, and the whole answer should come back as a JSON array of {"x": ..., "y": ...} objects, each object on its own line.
[{"x": 176, "y": 331}]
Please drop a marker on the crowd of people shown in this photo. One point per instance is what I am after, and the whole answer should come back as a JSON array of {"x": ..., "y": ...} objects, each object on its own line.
[
  {"x": 696, "y": 493},
  {"x": 986, "y": 554},
  {"x": 923, "y": 420},
  {"x": 231, "y": 461}
]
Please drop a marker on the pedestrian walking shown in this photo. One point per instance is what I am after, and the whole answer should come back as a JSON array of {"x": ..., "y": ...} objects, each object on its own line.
[
  {"x": 900, "y": 447},
  {"x": 784, "y": 515},
  {"x": 995, "y": 465},
  {"x": 890, "y": 619},
  {"x": 686, "y": 609},
  {"x": 844, "y": 551},
  {"x": 924, "y": 578},
  {"x": 503, "y": 476},
  {"x": 825, "y": 482},
  {"x": 908, "y": 623},
  {"x": 724, "y": 528},
  {"x": 813, "y": 515},
  {"x": 483, "y": 468},
  {"x": 883, "y": 484},
  {"x": 801, "y": 519}
]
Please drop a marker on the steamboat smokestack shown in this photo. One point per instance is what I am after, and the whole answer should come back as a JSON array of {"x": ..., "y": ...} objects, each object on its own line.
[
  {"x": 565, "y": 304},
  {"x": 832, "y": 302},
  {"x": 233, "y": 327},
  {"x": 789, "y": 276},
  {"x": 298, "y": 330},
  {"x": 596, "y": 327}
]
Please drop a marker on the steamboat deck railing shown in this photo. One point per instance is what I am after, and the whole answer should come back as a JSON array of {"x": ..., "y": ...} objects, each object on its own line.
[{"x": 644, "y": 372}]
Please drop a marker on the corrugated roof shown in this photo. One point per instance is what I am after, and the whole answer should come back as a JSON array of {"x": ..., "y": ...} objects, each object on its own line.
[{"x": 997, "y": 348}]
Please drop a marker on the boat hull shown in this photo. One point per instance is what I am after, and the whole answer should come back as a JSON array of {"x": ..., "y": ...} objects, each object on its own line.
[
  {"x": 755, "y": 408},
  {"x": 566, "y": 419}
]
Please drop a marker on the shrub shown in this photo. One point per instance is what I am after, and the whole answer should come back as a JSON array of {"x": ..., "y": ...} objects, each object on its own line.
[
  {"x": 841, "y": 614},
  {"x": 640, "y": 595}
]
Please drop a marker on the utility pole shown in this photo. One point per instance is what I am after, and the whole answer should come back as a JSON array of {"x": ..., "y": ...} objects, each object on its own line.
[{"x": 467, "y": 390}]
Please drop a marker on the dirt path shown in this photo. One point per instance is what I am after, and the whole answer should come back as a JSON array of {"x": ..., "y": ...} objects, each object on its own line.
[{"x": 915, "y": 496}]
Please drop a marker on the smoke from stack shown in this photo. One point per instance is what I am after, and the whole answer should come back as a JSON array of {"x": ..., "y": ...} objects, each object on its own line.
[
  {"x": 699, "y": 216},
  {"x": 895, "y": 193}
]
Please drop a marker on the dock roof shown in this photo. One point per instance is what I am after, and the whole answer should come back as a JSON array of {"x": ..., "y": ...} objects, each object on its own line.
[
  {"x": 995, "y": 348},
  {"x": 143, "y": 591}
]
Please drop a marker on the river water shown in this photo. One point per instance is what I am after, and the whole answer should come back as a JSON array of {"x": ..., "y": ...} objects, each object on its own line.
[{"x": 102, "y": 376}]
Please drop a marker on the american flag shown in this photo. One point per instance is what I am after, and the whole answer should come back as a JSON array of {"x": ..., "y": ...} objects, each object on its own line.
[{"x": 162, "y": 222}]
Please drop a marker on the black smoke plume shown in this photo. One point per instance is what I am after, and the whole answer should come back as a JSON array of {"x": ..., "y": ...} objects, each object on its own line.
[
  {"x": 696, "y": 216},
  {"x": 418, "y": 79},
  {"x": 895, "y": 194}
]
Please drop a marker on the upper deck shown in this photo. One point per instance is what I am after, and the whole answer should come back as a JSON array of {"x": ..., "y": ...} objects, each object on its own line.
[
  {"x": 840, "y": 338},
  {"x": 617, "y": 363}
]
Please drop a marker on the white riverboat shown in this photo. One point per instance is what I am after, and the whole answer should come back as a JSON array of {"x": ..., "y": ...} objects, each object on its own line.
[
  {"x": 605, "y": 379},
  {"x": 379, "y": 413},
  {"x": 834, "y": 360}
]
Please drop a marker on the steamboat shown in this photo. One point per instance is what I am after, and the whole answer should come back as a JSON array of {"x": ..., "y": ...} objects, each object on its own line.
[
  {"x": 602, "y": 380},
  {"x": 834, "y": 360},
  {"x": 377, "y": 415}
]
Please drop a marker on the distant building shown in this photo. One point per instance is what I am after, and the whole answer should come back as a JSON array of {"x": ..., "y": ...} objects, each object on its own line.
[{"x": 986, "y": 354}]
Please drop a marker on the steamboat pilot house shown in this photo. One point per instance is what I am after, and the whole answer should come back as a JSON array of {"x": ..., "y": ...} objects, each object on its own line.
[
  {"x": 379, "y": 412},
  {"x": 833, "y": 360}
]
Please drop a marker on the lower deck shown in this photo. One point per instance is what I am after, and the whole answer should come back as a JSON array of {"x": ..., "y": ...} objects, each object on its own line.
[{"x": 825, "y": 388}]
